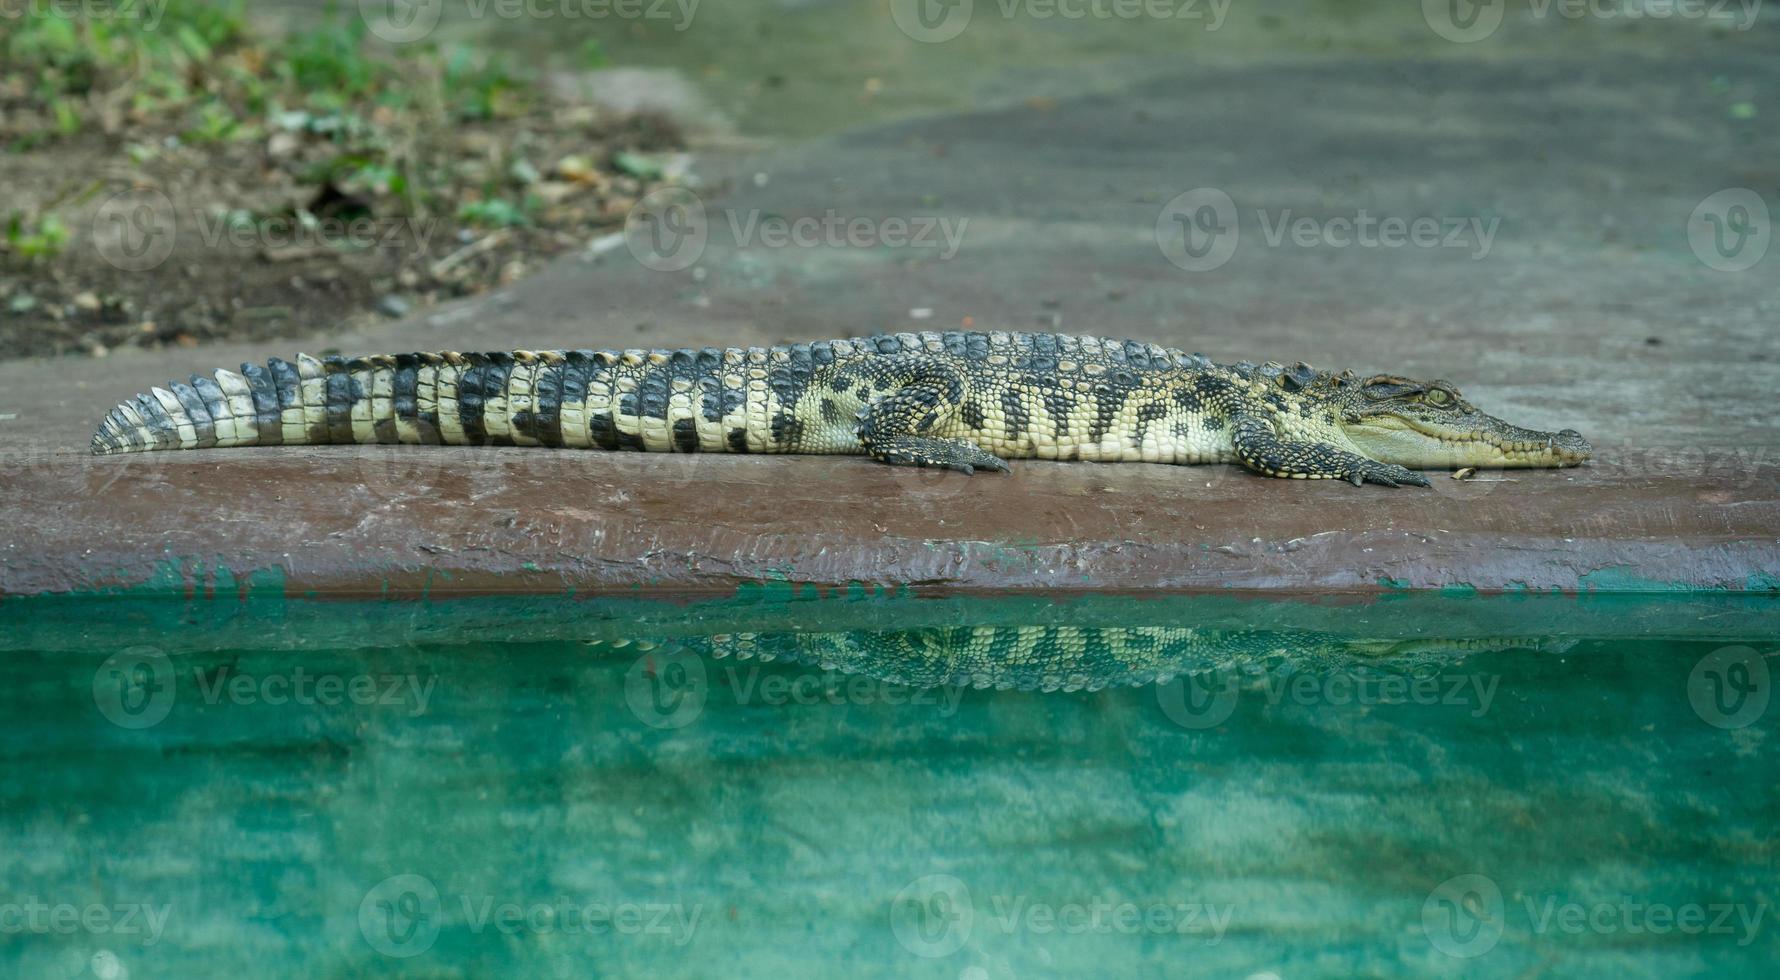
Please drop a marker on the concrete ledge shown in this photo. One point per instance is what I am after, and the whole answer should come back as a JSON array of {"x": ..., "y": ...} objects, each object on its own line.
[
  {"x": 417, "y": 522},
  {"x": 1592, "y": 310}
]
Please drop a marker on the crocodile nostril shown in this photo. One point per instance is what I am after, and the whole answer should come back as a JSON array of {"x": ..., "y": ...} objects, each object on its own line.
[{"x": 1572, "y": 441}]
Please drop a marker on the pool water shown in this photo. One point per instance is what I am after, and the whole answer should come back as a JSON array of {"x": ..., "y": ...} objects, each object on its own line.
[{"x": 576, "y": 788}]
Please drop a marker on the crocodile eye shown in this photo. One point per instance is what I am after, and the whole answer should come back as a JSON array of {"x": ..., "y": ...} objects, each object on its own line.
[{"x": 1438, "y": 396}]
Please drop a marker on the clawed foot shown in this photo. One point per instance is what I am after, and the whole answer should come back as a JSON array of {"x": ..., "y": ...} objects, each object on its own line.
[
  {"x": 939, "y": 453},
  {"x": 1385, "y": 474}
]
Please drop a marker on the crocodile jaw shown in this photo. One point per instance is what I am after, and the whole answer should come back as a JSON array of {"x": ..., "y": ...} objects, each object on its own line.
[{"x": 1487, "y": 444}]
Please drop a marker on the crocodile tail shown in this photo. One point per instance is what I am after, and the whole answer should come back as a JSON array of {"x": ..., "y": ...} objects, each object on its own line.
[
  {"x": 709, "y": 400},
  {"x": 501, "y": 398}
]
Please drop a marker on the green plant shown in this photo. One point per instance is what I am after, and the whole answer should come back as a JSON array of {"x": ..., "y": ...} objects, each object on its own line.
[
  {"x": 493, "y": 213},
  {"x": 157, "y": 65},
  {"x": 43, "y": 237},
  {"x": 332, "y": 60},
  {"x": 474, "y": 87}
]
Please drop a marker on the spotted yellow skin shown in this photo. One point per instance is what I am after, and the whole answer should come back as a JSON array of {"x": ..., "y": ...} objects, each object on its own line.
[{"x": 959, "y": 400}]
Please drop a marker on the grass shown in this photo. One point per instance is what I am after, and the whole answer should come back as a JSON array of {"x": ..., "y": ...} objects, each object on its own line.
[
  {"x": 201, "y": 76},
  {"x": 35, "y": 238}
]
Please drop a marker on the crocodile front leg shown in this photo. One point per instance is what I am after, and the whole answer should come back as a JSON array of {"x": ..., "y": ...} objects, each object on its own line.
[
  {"x": 920, "y": 397},
  {"x": 1261, "y": 448}
]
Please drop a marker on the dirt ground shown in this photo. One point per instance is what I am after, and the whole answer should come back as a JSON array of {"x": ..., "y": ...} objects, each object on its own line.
[
  {"x": 161, "y": 239},
  {"x": 229, "y": 241}
]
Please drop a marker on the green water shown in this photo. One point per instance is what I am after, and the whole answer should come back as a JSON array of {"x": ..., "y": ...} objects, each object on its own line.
[{"x": 1523, "y": 786}]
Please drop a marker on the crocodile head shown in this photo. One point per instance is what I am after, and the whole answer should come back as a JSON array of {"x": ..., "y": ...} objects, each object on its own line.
[{"x": 1429, "y": 425}]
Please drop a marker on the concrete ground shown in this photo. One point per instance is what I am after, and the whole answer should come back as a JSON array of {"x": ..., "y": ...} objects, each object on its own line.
[{"x": 1576, "y": 281}]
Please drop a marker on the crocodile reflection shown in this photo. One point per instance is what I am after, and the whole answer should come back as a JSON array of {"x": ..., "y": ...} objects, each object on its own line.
[{"x": 1076, "y": 658}]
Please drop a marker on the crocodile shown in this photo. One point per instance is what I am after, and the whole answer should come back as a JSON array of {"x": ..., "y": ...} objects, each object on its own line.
[
  {"x": 961, "y": 400},
  {"x": 1085, "y": 658}
]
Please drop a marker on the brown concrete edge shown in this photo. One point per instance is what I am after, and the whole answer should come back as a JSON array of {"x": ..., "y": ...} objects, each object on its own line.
[{"x": 404, "y": 522}]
